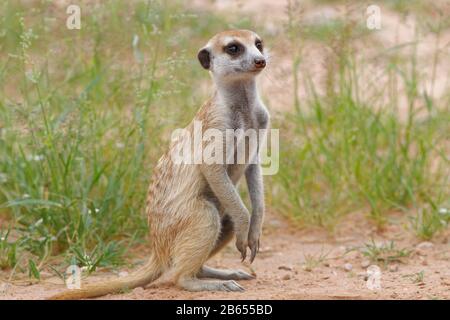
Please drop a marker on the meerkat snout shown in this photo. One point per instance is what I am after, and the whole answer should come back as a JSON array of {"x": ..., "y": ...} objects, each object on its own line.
[
  {"x": 260, "y": 63},
  {"x": 234, "y": 54}
]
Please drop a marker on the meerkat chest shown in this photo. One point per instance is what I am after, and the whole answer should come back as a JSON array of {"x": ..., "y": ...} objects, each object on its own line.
[
  {"x": 247, "y": 125},
  {"x": 254, "y": 117}
]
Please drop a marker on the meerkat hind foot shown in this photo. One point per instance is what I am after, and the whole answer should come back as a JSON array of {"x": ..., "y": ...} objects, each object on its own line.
[
  {"x": 224, "y": 274},
  {"x": 195, "y": 284}
]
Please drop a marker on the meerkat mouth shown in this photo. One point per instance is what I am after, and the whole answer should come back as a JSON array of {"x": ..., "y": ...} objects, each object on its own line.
[
  {"x": 247, "y": 71},
  {"x": 241, "y": 70},
  {"x": 255, "y": 71}
]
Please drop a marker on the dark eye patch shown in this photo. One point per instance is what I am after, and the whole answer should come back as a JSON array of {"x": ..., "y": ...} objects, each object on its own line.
[
  {"x": 234, "y": 49},
  {"x": 259, "y": 45}
]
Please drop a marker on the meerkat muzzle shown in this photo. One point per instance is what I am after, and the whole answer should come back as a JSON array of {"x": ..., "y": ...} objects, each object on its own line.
[{"x": 260, "y": 63}]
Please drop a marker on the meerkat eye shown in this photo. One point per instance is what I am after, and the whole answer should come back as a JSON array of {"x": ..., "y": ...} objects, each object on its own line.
[
  {"x": 232, "y": 49},
  {"x": 259, "y": 45}
]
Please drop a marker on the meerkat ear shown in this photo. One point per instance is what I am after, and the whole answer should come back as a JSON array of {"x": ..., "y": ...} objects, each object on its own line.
[{"x": 204, "y": 58}]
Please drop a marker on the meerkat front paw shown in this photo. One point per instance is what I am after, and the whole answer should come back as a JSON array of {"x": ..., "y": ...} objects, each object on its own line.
[
  {"x": 253, "y": 243},
  {"x": 254, "y": 233},
  {"x": 243, "y": 226},
  {"x": 242, "y": 243}
]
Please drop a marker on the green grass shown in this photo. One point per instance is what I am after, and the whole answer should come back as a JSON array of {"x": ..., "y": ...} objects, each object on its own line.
[
  {"x": 313, "y": 261},
  {"x": 416, "y": 278},
  {"x": 348, "y": 156},
  {"x": 385, "y": 253},
  {"x": 354, "y": 150},
  {"x": 429, "y": 221}
]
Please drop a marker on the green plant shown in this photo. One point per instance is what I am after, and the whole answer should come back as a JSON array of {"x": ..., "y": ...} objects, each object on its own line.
[
  {"x": 429, "y": 221},
  {"x": 354, "y": 149},
  {"x": 100, "y": 256},
  {"x": 313, "y": 261},
  {"x": 385, "y": 252},
  {"x": 8, "y": 251},
  {"x": 417, "y": 278}
]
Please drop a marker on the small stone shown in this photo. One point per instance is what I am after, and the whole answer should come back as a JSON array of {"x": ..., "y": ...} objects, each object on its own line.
[
  {"x": 423, "y": 248},
  {"x": 365, "y": 263},
  {"x": 421, "y": 284},
  {"x": 286, "y": 268},
  {"x": 138, "y": 290},
  {"x": 348, "y": 267},
  {"x": 286, "y": 277},
  {"x": 425, "y": 245},
  {"x": 123, "y": 274},
  {"x": 393, "y": 268},
  {"x": 307, "y": 268},
  {"x": 421, "y": 252},
  {"x": 326, "y": 264}
]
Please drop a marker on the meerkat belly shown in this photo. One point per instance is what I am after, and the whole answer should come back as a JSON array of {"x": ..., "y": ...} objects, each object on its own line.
[{"x": 245, "y": 144}]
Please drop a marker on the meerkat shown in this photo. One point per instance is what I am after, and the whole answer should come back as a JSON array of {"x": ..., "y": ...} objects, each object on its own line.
[{"x": 194, "y": 210}]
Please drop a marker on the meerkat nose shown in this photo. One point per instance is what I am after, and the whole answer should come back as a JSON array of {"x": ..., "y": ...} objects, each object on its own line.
[{"x": 260, "y": 63}]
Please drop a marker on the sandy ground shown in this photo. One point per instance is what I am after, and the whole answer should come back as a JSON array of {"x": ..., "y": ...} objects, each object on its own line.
[{"x": 308, "y": 264}]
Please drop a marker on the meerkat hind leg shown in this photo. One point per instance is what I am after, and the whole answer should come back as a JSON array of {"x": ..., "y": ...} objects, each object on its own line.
[
  {"x": 194, "y": 246},
  {"x": 194, "y": 284},
  {"x": 224, "y": 274},
  {"x": 226, "y": 234}
]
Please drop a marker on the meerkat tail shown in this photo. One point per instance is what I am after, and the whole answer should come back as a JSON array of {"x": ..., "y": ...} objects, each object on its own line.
[{"x": 148, "y": 273}]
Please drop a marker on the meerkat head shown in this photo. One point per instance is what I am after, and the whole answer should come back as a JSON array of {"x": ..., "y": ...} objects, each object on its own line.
[{"x": 233, "y": 55}]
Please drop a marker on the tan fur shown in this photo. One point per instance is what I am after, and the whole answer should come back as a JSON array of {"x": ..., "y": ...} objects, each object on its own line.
[
  {"x": 218, "y": 40},
  {"x": 188, "y": 223}
]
